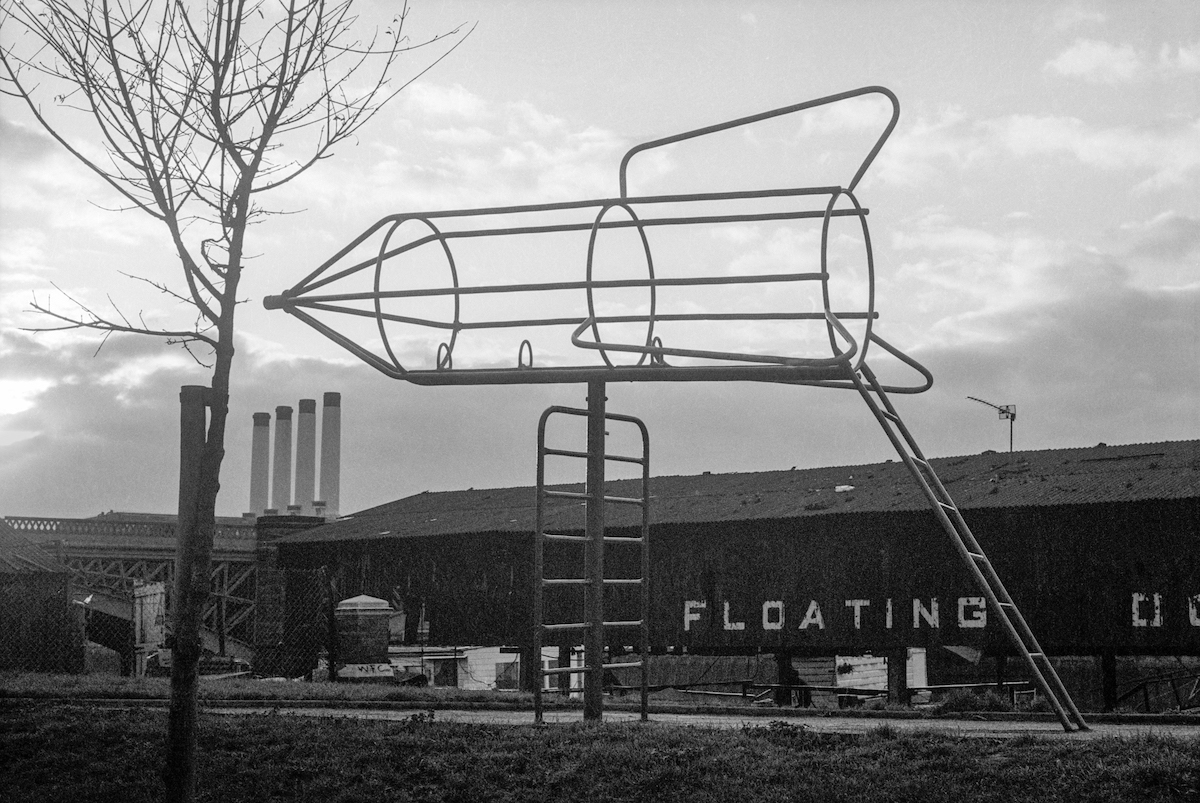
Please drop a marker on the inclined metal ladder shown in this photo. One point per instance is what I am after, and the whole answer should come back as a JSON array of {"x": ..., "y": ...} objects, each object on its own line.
[
  {"x": 999, "y": 601},
  {"x": 592, "y": 626}
]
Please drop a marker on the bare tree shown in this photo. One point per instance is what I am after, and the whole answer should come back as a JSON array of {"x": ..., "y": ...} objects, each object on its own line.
[{"x": 195, "y": 110}]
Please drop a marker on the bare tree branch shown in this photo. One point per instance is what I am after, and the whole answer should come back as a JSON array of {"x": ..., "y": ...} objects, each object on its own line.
[{"x": 91, "y": 320}]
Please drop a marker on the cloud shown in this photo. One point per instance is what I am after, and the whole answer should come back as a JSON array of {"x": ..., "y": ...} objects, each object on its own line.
[
  {"x": 427, "y": 99},
  {"x": 1185, "y": 60},
  {"x": 1168, "y": 236},
  {"x": 1166, "y": 150},
  {"x": 1098, "y": 62},
  {"x": 473, "y": 136},
  {"x": 20, "y": 143},
  {"x": 928, "y": 148},
  {"x": 978, "y": 286},
  {"x": 85, "y": 438},
  {"x": 1169, "y": 151},
  {"x": 465, "y": 152},
  {"x": 963, "y": 280},
  {"x": 1067, "y": 18},
  {"x": 18, "y": 395},
  {"x": 1106, "y": 63}
]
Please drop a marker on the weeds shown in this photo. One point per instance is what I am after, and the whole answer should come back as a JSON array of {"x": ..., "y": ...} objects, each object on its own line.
[
  {"x": 67, "y": 752},
  {"x": 887, "y": 732},
  {"x": 965, "y": 700},
  {"x": 26, "y": 685}
]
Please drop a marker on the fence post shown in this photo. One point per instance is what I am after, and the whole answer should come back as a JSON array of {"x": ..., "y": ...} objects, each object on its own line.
[
  {"x": 1108, "y": 679},
  {"x": 897, "y": 675},
  {"x": 192, "y": 580}
]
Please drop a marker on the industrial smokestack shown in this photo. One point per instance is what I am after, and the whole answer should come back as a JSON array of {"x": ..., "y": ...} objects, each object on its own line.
[
  {"x": 260, "y": 463},
  {"x": 281, "y": 479},
  {"x": 306, "y": 455},
  {"x": 331, "y": 453}
]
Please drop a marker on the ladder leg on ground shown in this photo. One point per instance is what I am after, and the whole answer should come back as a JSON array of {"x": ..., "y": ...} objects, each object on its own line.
[{"x": 948, "y": 514}]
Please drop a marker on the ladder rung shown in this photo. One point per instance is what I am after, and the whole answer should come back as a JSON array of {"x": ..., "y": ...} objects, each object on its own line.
[
  {"x": 563, "y": 537},
  {"x": 567, "y": 626},
  {"x": 619, "y": 500},
  {"x": 623, "y": 581},
  {"x": 566, "y": 670},
  {"x": 633, "y": 665},
  {"x": 634, "y": 623},
  {"x": 563, "y": 452},
  {"x": 566, "y": 494},
  {"x": 1012, "y": 605},
  {"x": 890, "y": 416},
  {"x": 616, "y": 539},
  {"x": 947, "y": 506},
  {"x": 979, "y": 556},
  {"x": 565, "y": 581},
  {"x": 620, "y": 458}
]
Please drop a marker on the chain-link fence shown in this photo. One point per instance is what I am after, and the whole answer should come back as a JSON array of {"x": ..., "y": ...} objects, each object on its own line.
[
  {"x": 41, "y": 630},
  {"x": 293, "y": 621}
]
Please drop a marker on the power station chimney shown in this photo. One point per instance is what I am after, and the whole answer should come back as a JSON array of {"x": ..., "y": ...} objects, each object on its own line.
[
  {"x": 331, "y": 453},
  {"x": 281, "y": 486},
  {"x": 306, "y": 455},
  {"x": 260, "y": 463}
]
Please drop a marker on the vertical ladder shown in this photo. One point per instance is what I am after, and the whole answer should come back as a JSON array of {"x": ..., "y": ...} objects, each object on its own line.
[
  {"x": 999, "y": 601},
  {"x": 591, "y": 625}
]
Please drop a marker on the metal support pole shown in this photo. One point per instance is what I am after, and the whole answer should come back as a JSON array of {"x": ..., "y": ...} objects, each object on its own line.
[
  {"x": 593, "y": 682},
  {"x": 223, "y": 611},
  {"x": 564, "y": 662}
]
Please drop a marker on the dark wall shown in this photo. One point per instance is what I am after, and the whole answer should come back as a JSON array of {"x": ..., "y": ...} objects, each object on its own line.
[
  {"x": 1075, "y": 572},
  {"x": 474, "y": 588},
  {"x": 1120, "y": 577},
  {"x": 40, "y": 630}
]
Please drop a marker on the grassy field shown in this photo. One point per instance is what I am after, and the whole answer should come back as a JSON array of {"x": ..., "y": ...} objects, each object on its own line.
[{"x": 55, "y": 751}]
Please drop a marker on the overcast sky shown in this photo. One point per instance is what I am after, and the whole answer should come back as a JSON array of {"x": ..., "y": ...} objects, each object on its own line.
[{"x": 1035, "y": 217}]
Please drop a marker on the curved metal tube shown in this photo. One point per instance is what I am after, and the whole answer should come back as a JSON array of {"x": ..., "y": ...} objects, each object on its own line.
[
  {"x": 658, "y": 351},
  {"x": 754, "y": 118}
]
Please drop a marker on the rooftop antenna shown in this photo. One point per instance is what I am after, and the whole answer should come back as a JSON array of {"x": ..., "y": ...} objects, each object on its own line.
[{"x": 1008, "y": 411}]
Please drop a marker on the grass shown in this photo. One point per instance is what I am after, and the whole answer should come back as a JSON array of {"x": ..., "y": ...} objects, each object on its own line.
[
  {"x": 25, "y": 685},
  {"x": 107, "y": 686},
  {"x": 57, "y": 751}
]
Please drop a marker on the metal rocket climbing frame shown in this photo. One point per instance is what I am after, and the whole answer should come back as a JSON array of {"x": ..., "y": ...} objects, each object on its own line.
[{"x": 413, "y": 275}]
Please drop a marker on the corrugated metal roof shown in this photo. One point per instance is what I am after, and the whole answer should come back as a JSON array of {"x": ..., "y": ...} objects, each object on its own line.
[
  {"x": 1133, "y": 472},
  {"x": 19, "y": 555}
]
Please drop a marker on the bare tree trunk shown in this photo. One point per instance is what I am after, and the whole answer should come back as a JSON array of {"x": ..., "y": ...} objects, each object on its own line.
[{"x": 201, "y": 455}]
